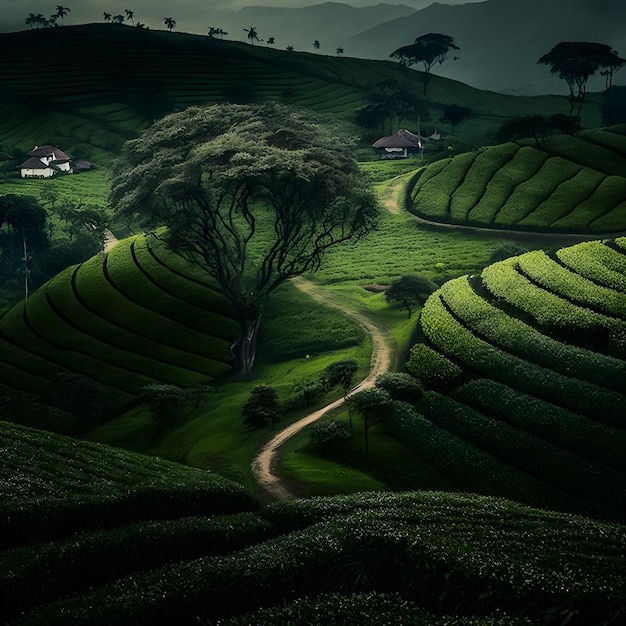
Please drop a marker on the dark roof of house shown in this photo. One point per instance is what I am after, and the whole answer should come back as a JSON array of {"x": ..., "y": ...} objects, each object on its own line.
[
  {"x": 402, "y": 139},
  {"x": 35, "y": 164},
  {"x": 56, "y": 153}
]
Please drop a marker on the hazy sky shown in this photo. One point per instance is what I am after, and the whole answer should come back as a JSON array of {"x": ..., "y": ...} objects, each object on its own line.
[{"x": 194, "y": 16}]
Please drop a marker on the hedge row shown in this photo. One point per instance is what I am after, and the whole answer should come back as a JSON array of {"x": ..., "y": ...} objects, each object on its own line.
[
  {"x": 524, "y": 165},
  {"x": 515, "y": 336},
  {"x": 476, "y": 469},
  {"x": 504, "y": 281},
  {"x": 564, "y": 428},
  {"x": 475, "y": 354},
  {"x": 538, "y": 189},
  {"x": 41, "y": 573},
  {"x": 484, "y": 167},
  {"x": 541, "y": 269},
  {"x": 597, "y": 262},
  {"x": 529, "y": 563}
]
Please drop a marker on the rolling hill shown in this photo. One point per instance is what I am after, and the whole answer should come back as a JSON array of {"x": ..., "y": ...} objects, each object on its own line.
[
  {"x": 561, "y": 184},
  {"x": 525, "y": 370},
  {"x": 130, "y": 539},
  {"x": 100, "y": 84}
]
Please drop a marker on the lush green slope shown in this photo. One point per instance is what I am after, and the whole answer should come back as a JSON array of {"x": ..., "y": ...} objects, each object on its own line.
[
  {"x": 95, "y": 85},
  {"x": 526, "y": 371},
  {"x": 567, "y": 184},
  {"x": 129, "y": 539},
  {"x": 134, "y": 316}
]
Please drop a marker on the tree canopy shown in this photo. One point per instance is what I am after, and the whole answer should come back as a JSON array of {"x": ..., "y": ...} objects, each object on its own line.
[
  {"x": 252, "y": 194},
  {"x": 576, "y": 61},
  {"x": 427, "y": 49},
  {"x": 409, "y": 291}
]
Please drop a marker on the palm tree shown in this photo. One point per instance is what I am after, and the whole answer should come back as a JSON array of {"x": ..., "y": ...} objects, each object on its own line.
[
  {"x": 61, "y": 12},
  {"x": 170, "y": 23},
  {"x": 271, "y": 41},
  {"x": 222, "y": 33},
  {"x": 31, "y": 20},
  {"x": 289, "y": 48},
  {"x": 130, "y": 14},
  {"x": 107, "y": 16},
  {"x": 339, "y": 51},
  {"x": 213, "y": 31},
  {"x": 316, "y": 44},
  {"x": 252, "y": 34}
]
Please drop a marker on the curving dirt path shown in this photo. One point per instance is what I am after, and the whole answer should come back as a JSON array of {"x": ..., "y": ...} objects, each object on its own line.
[{"x": 264, "y": 465}]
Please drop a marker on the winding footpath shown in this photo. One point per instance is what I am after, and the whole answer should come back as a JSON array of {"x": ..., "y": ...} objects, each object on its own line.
[{"x": 264, "y": 465}]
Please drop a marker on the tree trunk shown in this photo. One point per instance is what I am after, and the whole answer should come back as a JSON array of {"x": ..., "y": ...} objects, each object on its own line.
[{"x": 244, "y": 348}]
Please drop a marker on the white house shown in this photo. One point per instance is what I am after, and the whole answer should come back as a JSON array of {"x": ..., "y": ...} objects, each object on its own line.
[{"x": 45, "y": 162}]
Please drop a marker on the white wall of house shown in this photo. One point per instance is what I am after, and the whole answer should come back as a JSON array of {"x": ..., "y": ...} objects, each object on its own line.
[{"x": 27, "y": 172}]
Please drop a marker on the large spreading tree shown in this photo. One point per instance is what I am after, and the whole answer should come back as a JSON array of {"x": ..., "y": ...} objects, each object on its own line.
[
  {"x": 254, "y": 195},
  {"x": 427, "y": 49},
  {"x": 576, "y": 61}
]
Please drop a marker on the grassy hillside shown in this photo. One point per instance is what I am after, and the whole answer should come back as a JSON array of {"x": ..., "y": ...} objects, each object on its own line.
[
  {"x": 99, "y": 84},
  {"x": 129, "y": 539},
  {"x": 564, "y": 183},
  {"x": 525, "y": 370}
]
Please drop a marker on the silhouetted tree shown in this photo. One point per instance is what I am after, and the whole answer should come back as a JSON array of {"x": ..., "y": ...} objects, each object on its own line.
[
  {"x": 213, "y": 31},
  {"x": 339, "y": 51},
  {"x": 289, "y": 48},
  {"x": 262, "y": 407},
  {"x": 576, "y": 61},
  {"x": 271, "y": 41},
  {"x": 454, "y": 114},
  {"x": 118, "y": 19},
  {"x": 316, "y": 44},
  {"x": 170, "y": 23},
  {"x": 130, "y": 15},
  {"x": 106, "y": 16},
  {"x": 427, "y": 50},
  {"x": 537, "y": 127},
  {"x": 372, "y": 404},
  {"x": 410, "y": 291},
  {"x": 61, "y": 12},
  {"x": 252, "y": 34},
  {"x": 254, "y": 195}
]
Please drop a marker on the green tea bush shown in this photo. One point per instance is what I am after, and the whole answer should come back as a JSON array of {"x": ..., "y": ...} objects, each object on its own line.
[
  {"x": 567, "y": 471},
  {"x": 486, "y": 164},
  {"x": 400, "y": 386},
  {"x": 40, "y": 573},
  {"x": 431, "y": 368},
  {"x": 537, "y": 189},
  {"x": 552, "y": 276},
  {"x": 524, "y": 165},
  {"x": 458, "y": 342},
  {"x": 596, "y": 261},
  {"x": 563, "y": 428},
  {"x": 512, "y": 334},
  {"x": 330, "y": 435}
]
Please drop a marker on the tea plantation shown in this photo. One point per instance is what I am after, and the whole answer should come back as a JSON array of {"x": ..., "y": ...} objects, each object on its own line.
[
  {"x": 563, "y": 184},
  {"x": 95, "y": 535},
  {"x": 525, "y": 371},
  {"x": 133, "y": 317}
]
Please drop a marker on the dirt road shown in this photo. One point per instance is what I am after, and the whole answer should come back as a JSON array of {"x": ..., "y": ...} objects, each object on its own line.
[{"x": 264, "y": 465}]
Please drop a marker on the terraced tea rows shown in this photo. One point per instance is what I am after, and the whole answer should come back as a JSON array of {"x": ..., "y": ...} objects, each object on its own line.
[
  {"x": 572, "y": 184},
  {"x": 536, "y": 375},
  {"x": 126, "y": 319},
  {"x": 129, "y": 538}
]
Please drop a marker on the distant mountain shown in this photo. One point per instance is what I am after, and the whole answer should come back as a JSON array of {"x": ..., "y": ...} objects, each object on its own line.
[
  {"x": 501, "y": 40},
  {"x": 331, "y": 23}
]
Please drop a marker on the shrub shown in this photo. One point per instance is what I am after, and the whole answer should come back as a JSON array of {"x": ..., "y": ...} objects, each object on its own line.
[
  {"x": 330, "y": 435},
  {"x": 262, "y": 407},
  {"x": 430, "y": 368},
  {"x": 400, "y": 386}
]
